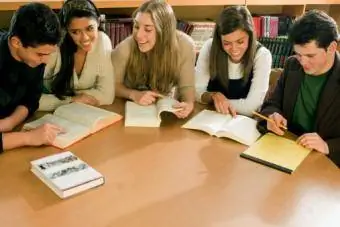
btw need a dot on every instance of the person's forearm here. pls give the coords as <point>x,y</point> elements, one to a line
<point>187,94</point>
<point>207,97</point>
<point>124,92</point>
<point>18,116</point>
<point>14,139</point>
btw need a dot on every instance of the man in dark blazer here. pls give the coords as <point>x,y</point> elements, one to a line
<point>307,95</point>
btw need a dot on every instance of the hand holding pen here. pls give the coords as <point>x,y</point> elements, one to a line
<point>275,122</point>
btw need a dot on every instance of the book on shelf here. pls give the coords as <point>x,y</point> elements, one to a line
<point>65,174</point>
<point>278,152</point>
<point>77,121</point>
<point>148,116</point>
<point>240,128</point>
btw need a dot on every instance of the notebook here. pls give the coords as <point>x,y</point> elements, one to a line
<point>277,152</point>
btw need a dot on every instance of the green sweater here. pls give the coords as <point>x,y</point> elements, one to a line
<point>307,101</point>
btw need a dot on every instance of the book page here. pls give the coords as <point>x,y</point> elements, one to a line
<point>141,116</point>
<point>208,121</point>
<point>242,129</point>
<point>277,150</point>
<point>89,116</point>
<point>73,132</point>
<point>166,105</point>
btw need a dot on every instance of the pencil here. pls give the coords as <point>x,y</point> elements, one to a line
<point>268,119</point>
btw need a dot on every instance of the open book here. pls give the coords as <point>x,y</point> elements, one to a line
<point>241,128</point>
<point>278,152</point>
<point>78,121</point>
<point>148,116</point>
<point>66,174</point>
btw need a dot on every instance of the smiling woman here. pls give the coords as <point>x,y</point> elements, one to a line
<point>81,70</point>
<point>155,59</point>
<point>233,69</point>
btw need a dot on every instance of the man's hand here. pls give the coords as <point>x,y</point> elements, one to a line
<point>313,141</point>
<point>43,135</point>
<point>277,121</point>
<point>6,125</point>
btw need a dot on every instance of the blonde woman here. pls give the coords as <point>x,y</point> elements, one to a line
<point>155,59</point>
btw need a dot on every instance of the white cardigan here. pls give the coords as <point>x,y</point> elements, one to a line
<point>96,78</point>
<point>259,84</point>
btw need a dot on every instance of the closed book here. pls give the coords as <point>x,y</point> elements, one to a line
<point>66,174</point>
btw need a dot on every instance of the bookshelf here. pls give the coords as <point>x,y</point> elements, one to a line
<point>192,10</point>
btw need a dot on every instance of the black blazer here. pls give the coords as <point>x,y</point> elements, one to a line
<point>284,98</point>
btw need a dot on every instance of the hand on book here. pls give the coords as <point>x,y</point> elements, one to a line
<point>313,141</point>
<point>277,121</point>
<point>144,98</point>
<point>222,104</point>
<point>185,108</point>
<point>86,99</point>
<point>43,135</point>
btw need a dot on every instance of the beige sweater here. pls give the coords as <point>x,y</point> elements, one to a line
<point>120,57</point>
<point>96,79</point>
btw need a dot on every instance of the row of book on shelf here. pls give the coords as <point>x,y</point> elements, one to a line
<point>271,32</point>
<point>66,174</point>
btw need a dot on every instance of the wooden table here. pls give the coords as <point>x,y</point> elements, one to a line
<point>170,177</point>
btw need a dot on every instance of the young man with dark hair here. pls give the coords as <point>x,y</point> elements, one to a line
<point>306,98</point>
<point>24,50</point>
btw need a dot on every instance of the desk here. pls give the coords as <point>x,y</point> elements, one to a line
<point>170,177</point>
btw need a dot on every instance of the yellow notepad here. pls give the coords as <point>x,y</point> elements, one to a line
<point>277,152</point>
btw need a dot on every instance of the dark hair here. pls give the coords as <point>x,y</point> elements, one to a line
<point>62,84</point>
<point>231,19</point>
<point>35,24</point>
<point>314,25</point>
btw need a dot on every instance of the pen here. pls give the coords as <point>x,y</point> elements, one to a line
<point>268,119</point>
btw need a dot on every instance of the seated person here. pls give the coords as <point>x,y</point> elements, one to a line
<point>155,59</point>
<point>233,69</point>
<point>81,70</point>
<point>306,98</point>
<point>24,51</point>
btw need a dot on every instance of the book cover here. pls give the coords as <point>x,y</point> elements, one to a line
<point>66,174</point>
<point>277,152</point>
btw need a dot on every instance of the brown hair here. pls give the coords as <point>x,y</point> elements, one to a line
<point>231,19</point>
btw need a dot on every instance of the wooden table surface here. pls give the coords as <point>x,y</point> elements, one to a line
<point>170,177</point>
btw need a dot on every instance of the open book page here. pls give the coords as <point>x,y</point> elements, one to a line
<point>277,152</point>
<point>208,121</point>
<point>141,116</point>
<point>241,128</point>
<point>166,105</point>
<point>90,116</point>
<point>73,132</point>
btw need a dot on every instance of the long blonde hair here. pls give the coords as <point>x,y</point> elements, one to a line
<point>157,69</point>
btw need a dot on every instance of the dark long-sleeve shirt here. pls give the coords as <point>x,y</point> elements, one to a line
<point>19,83</point>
